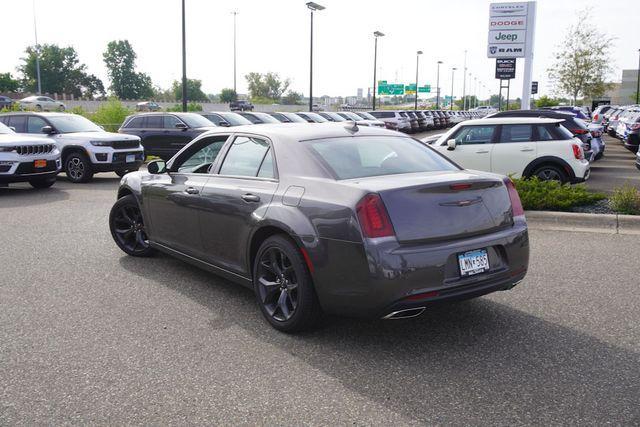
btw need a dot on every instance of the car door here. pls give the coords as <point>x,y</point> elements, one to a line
<point>473,147</point>
<point>173,200</point>
<point>516,148</point>
<point>174,138</point>
<point>235,199</point>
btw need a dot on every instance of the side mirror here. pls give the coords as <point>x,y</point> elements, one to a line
<point>181,126</point>
<point>224,124</point>
<point>12,128</point>
<point>47,129</point>
<point>451,144</point>
<point>157,167</point>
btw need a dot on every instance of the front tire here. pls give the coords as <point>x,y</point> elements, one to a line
<point>127,227</point>
<point>78,168</point>
<point>283,286</point>
<point>551,173</point>
<point>42,182</point>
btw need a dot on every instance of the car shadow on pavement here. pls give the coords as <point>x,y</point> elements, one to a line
<point>462,363</point>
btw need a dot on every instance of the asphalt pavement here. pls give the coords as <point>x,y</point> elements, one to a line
<point>89,335</point>
<point>615,169</point>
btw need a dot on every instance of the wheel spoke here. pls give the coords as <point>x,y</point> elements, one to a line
<point>140,239</point>
<point>126,216</point>
<point>282,304</point>
<point>267,289</point>
<point>273,258</point>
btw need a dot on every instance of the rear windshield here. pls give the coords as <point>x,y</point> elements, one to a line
<point>194,120</point>
<point>358,157</point>
<point>235,119</point>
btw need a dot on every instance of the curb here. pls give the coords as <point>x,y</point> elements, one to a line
<point>584,222</point>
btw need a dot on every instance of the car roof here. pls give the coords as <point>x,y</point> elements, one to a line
<point>510,120</point>
<point>40,113</point>
<point>306,131</point>
<point>562,114</point>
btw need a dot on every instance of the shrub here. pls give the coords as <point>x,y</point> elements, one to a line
<point>553,196</point>
<point>79,111</point>
<point>626,200</point>
<point>192,106</point>
<point>110,115</point>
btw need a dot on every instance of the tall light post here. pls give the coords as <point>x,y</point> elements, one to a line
<point>453,71</point>
<point>312,7</point>
<point>184,60</point>
<point>475,91</point>
<point>638,81</point>
<point>234,13</point>
<point>35,32</point>
<point>438,87</point>
<point>376,34</point>
<point>464,82</point>
<point>418,53</point>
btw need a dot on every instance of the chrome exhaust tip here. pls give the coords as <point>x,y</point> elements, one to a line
<point>404,314</point>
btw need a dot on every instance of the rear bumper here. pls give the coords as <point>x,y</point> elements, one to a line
<point>376,278</point>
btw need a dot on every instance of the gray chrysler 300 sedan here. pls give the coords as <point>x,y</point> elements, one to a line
<point>327,218</point>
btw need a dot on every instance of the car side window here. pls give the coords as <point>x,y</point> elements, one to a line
<point>35,124</point>
<point>19,123</point>
<point>201,156</point>
<point>516,133</point>
<point>544,133</point>
<point>471,135</point>
<point>213,118</point>
<point>135,123</point>
<point>170,122</point>
<point>244,156</point>
<point>154,122</point>
<point>266,168</point>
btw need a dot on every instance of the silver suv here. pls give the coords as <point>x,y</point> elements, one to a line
<point>86,148</point>
<point>27,159</point>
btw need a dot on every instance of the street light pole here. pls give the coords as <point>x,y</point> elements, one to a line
<point>464,82</point>
<point>35,31</point>
<point>638,82</point>
<point>312,7</point>
<point>438,87</point>
<point>453,71</point>
<point>376,34</point>
<point>234,13</point>
<point>418,53</point>
<point>184,60</point>
<point>475,91</point>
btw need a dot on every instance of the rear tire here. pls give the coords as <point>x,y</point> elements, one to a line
<point>551,173</point>
<point>42,182</point>
<point>78,168</point>
<point>283,286</point>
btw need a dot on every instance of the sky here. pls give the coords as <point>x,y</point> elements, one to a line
<point>273,35</point>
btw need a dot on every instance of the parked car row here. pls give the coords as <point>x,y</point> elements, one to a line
<point>623,123</point>
<point>410,121</point>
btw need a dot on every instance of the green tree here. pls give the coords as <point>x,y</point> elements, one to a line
<point>471,100</point>
<point>545,101</point>
<point>60,72</point>
<point>228,95</point>
<point>292,98</point>
<point>126,82</point>
<point>269,85</point>
<point>194,90</point>
<point>8,83</point>
<point>583,60</point>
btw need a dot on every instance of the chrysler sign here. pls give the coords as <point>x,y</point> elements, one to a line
<point>508,30</point>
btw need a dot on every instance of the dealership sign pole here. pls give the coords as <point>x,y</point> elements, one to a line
<point>511,35</point>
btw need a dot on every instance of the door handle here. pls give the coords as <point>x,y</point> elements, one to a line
<point>524,150</point>
<point>191,190</point>
<point>250,197</point>
<point>482,151</point>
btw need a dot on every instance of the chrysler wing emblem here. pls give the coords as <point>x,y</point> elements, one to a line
<point>462,203</point>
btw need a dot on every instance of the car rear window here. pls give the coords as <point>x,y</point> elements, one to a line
<point>362,156</point>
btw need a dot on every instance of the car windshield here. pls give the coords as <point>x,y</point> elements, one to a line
<point>294,118</point>
<point>5,129</point>
<point>359,157</point>
<point>352,116</point>
<point>336,117</point>
<point>235,119</point>
<point>70,123</point>
<point>195,120</point>
<point>316,117</point>
<point>366,115</point>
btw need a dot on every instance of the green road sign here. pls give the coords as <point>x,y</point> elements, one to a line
<point>410,86</point>
<point>385,88</point>
<point>397,89</point>
<point>424,89</point>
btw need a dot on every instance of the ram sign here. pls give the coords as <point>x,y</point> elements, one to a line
<point>508,30</point>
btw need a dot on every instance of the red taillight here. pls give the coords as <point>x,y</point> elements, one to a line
<point>459,187</point>
<point>516,204</point>
<point>373,217</point>
<point>595,117</point>
<point>577,152</point>
<point>580,131</point>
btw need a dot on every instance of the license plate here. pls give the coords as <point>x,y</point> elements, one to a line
<point>131,158</point>
<point>473,262</point>
<point>39,163</point>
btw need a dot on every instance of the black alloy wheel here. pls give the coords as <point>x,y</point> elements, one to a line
<point>283,286</point>
<point>550,173</point>
<point>127,227</point>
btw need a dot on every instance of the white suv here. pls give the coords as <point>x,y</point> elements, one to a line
<point>395,119</point>
<point>27,159</point>
<point>86,148</point>
<point>518,147</point>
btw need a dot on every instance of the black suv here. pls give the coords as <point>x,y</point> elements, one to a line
<point>164,134</point>
<point>241,106</point>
